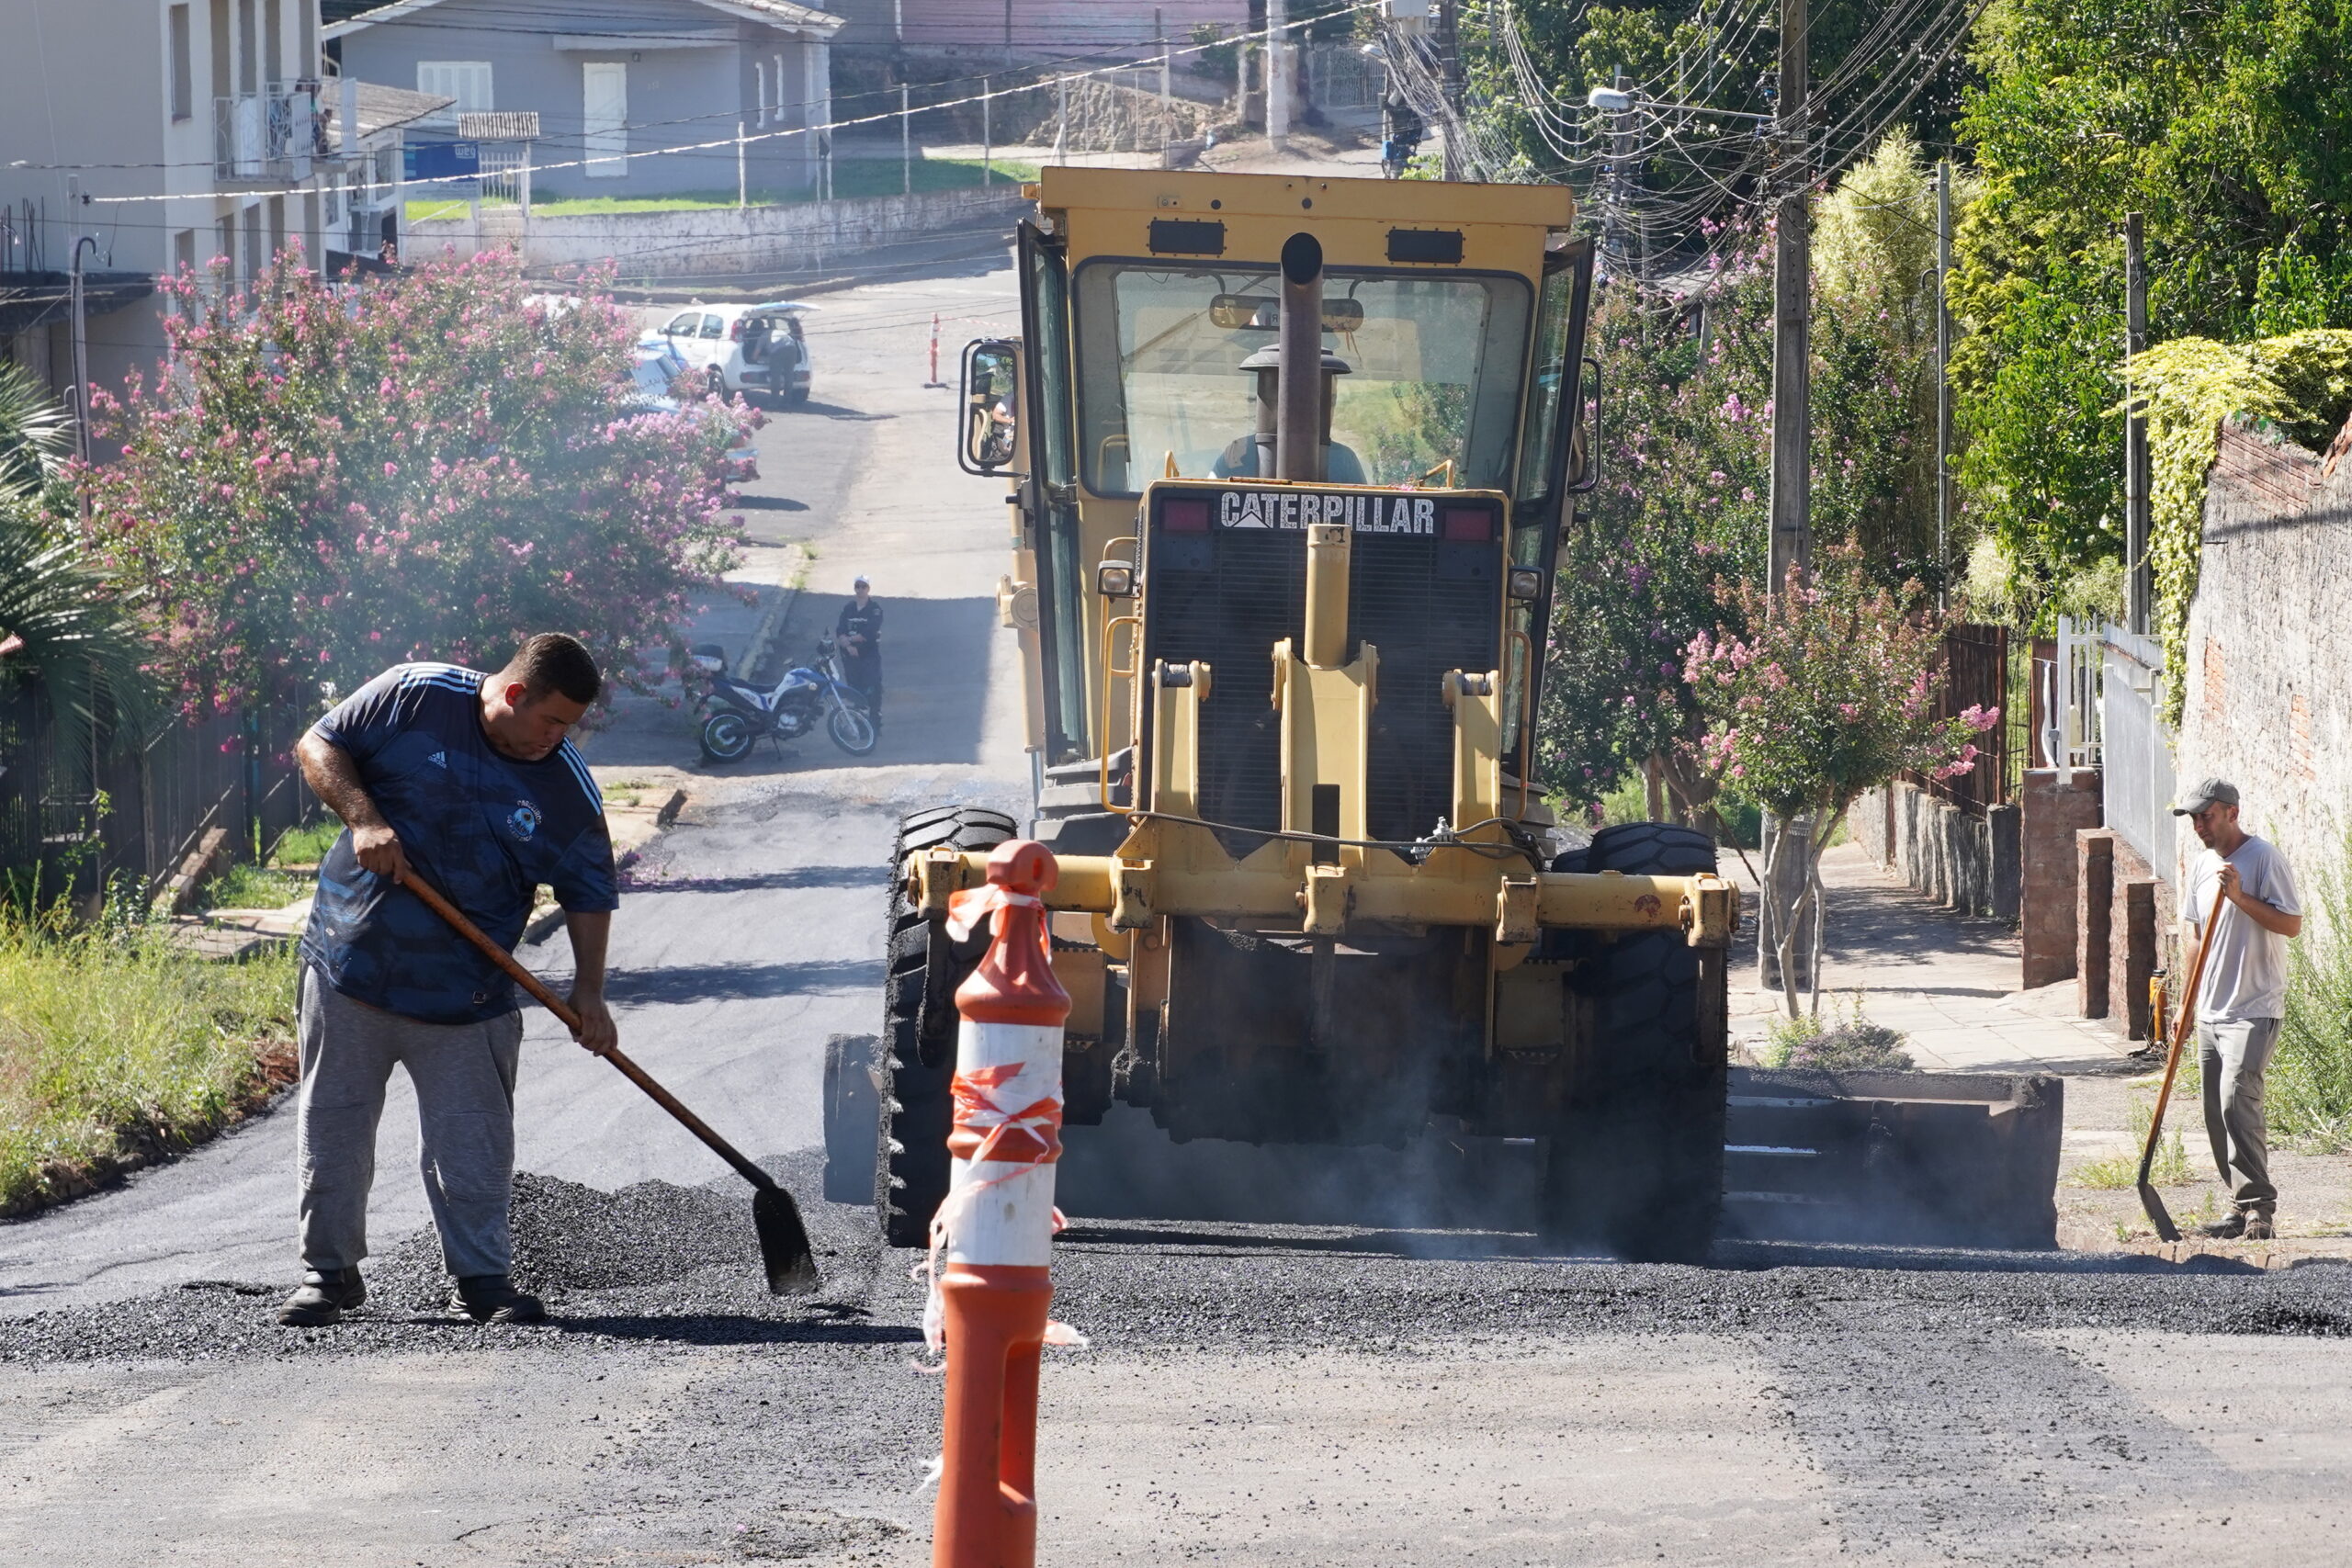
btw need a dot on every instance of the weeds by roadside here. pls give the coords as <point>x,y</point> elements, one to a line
<point>2311,1079</point>
<point>1844,1043</point>
<point>2119,1171</point>
<point>115,1045</point>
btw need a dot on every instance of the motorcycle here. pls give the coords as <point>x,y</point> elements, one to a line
<point>740,713</point>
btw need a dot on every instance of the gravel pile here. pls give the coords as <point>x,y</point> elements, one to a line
<point>654,1262</point>
<point>570,1238</point>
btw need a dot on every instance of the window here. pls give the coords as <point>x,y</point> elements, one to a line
<point>713,327</point>
<point>683,326</point>
<point>1433,377</point>
<point>760,72</point>
<point>183,64</point>
<point>604,117</point>
<point>467,81</point>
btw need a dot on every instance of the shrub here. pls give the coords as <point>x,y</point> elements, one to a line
<point>2311,1079</point>
<point>327,482</point>
<point>1849,1044</point>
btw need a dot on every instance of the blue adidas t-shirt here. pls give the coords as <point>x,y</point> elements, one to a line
<point>482,828</point>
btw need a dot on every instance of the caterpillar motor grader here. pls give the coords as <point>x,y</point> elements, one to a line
<point>1289,461</point>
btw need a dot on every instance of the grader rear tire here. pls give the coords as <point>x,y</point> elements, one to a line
<point>1636,1169</point>
<point>917,1054</point>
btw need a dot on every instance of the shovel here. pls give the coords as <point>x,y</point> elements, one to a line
<point>2182,1018</point>
<point>783,1240</point>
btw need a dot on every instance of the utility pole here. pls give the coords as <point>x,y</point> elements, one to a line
<point>2139,574</point>
<point>906,145</point>
<point>1278,77</point>
<point>987,150</point>
<point>742,184</point>
<point>81,359</point>
<point>1620,142</point>
<point>1449,57</point>
<point>1792,543</point>
<point>1061,119</point>
<point>1792,538</point>
<point>1943,382</point>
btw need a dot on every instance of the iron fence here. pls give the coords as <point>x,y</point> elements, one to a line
<point>1975,669</point>
<point>70,823</point>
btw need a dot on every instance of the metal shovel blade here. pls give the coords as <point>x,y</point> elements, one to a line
<point>2159,1215</point>
<point>783,1242</point>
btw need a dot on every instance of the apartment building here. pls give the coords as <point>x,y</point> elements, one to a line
<point>147,136</point>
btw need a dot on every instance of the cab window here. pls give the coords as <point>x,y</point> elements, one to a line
<point>683,326</point>
<point>713,327</point>
<point>1434,365</point>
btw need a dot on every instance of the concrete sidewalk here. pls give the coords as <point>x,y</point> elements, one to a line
<point>1947,981</point>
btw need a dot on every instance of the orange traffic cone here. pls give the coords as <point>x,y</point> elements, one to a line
<point>993,1241</point>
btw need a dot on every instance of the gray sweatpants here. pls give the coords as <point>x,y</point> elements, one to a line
<point>2233,1058</point>
<point>464,1076</point>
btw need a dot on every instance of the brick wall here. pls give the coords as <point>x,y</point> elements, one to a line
<point>2270,697</point>
<point>2053,805</point>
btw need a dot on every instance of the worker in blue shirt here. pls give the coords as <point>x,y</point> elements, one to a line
<point>468,780</point>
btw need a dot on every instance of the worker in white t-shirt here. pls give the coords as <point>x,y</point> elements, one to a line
<point>2242,995</point>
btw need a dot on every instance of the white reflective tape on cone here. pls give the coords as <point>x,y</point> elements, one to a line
<point>1009,1090</point>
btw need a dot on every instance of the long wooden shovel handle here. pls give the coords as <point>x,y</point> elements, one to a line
<point>2182,1015</point>
<point>570,1019</point>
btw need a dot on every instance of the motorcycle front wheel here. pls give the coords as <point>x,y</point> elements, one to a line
<point>851,729</point>
<point>725,737</point>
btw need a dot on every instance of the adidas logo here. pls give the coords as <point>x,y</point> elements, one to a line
<point>439,759</point>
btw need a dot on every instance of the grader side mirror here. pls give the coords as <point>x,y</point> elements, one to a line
<point>992,408</point>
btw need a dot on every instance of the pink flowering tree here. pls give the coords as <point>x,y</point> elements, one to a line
<point>325,481</point>
<point>1824,690</point>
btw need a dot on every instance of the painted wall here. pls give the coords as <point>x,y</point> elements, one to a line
<point>677,97</point>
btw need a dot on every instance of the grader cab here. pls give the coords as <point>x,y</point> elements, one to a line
<point>1289,461</point>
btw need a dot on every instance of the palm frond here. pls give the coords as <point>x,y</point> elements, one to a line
<point>60,625</point>
<point>36,434</point>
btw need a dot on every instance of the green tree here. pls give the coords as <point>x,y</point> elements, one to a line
<point>2230,126</point>
<point>1829,691</point>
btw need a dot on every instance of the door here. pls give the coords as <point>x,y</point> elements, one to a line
<point>1553,465</point>
<point>1051,489</point>
<point>603,118</point>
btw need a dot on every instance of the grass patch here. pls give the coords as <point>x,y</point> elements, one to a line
<point>245,887</point>
<point>114,1049</point>
<point>307,846</point>
<point>2119,1171</point>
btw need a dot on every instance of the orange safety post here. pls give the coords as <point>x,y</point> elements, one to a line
<point>935,380</point>
<point>993,1241</point>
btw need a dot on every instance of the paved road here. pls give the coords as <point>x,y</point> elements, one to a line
<point>753,932</point>
<point>1259,1394</point>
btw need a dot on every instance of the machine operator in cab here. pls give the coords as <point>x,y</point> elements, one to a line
<point>1251,456</point>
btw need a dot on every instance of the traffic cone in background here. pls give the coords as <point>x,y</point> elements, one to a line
<point>935,380</point>
<point>993,1241</point>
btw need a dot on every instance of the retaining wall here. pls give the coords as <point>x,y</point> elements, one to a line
<point>1960,861</point>
<point>2270,692</point>
<point>714,241</point>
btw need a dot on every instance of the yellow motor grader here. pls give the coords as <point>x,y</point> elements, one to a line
<point>1289,461</point>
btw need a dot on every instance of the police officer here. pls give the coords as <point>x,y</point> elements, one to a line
<point>858,634</point>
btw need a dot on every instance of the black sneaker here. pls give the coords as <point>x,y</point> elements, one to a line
<point>493,1298</point>
<point>324,1296</point>
<point>2230,1229</point>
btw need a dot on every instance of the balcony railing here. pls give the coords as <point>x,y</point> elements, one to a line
<point>268,136</point>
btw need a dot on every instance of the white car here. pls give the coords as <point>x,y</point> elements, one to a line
<point>746,348</point>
